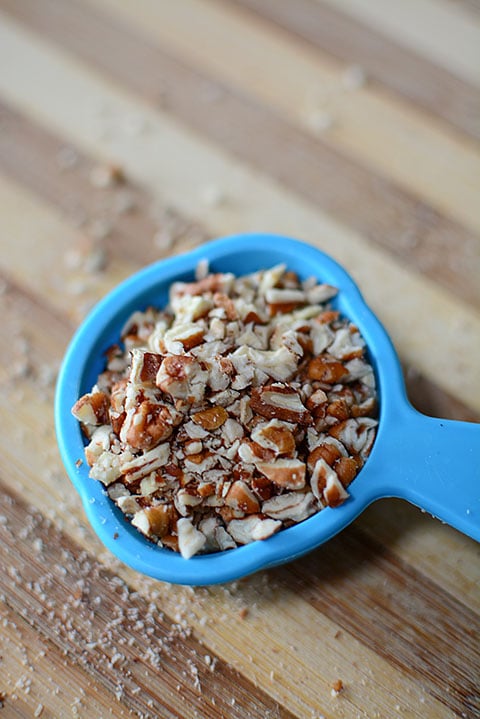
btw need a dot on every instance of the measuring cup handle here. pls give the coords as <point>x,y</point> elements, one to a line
<point>435,464</point>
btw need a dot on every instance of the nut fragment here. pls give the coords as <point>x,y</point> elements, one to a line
<point>211,418</point>
<point>252,528</point>
<point>190,539</point>
<point>286,473</point>
<point>326,370</point>
<point>275,435</point>
<point>239,496</point>
<point>92,408</point>
<point>279,402</point>
<point>155,521</point>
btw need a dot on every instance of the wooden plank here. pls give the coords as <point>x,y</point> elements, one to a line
<point>387,136</point>
<point>108,633</point>
<point>156,158</point>
<point>368,128</point>
<point>353,42</point>
<point>435,28</point>
<point>38,678</point>
<point>411,536</point>
<point>391,605</point>
<point>25,147</point>
<point>20,305</point>
<point>401,224</point>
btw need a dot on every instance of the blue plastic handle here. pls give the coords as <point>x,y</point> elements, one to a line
<point>430,462</point>
<point>433,463</point>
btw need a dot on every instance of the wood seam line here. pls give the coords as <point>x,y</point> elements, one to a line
<point>263,202</point>
<point>87,579</point>
<point>390,217</point>
<point>421,82</point>
<point>437,29</point>
<point>383,134</point>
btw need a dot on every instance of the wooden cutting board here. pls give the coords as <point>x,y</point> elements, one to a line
<point>133,130</point>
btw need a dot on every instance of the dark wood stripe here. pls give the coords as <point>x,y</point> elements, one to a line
<point>398,68</point>
<point>369,203</point>
<point>25,146</point>
<point>32,156</point>
<point>396,611</point>
<point>93,620</point>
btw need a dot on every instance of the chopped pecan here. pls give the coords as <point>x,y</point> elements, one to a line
<point>223,301</point>
<point>211,418</point>
<point>275,435</point>
<point>190,539</point>
<point>279,402</point>
<point>252,528</point>
<point>117,405</point>
<point>293,506</point>
<point>326,451</point>
<point>263,487</point>
<point>239,496</point>
<point>92,408</point>
<point>285,473</point>
<point>158,520</point>
<point>99,442</point>
<point>243,407</point>
<point>326,370</point>
<point>346,469</point>
<point>149,425</point>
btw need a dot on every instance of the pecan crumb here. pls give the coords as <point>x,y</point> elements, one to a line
<point>337,687</point>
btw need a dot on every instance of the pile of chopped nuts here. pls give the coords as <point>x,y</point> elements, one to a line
<point>243,407</point>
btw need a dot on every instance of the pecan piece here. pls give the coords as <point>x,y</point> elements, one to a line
<point>211,418</point>
<point>279,402</point>
<point>346,469</point>
<point>292,506</point>
<point>239,496</point>
<point>328,452</point>
<point>155,521</point>
<point>92,409</point>
<point>150,424</point>
<point>190,539</point>
<point>326,370</point>
<point>275,435</point>
<point>285,473</point>
<point>326,484</point>
<point>151,365</point>
<point>252,528</point>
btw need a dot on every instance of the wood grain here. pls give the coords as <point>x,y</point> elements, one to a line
<point>212,111</point>
<point>453,45</point>
<point>301,85</point>
<point>422,82</point>
<point>108,633</point>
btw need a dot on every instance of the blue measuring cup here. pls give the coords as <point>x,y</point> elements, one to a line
<point>432,463</point>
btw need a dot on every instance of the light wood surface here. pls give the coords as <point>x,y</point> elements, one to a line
<point>352,125</point>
